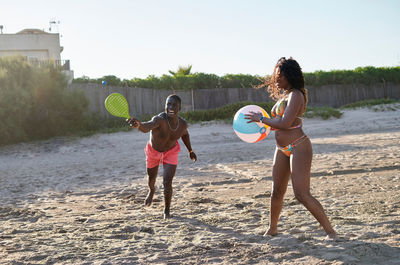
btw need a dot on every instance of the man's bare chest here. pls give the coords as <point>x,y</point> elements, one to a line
<point>166,133</point>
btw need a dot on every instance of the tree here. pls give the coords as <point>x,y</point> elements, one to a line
<point>182,70</point>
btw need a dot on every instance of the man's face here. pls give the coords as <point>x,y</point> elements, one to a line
<point>172,107</point>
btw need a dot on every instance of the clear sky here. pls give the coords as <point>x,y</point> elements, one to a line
<point>132,38</point>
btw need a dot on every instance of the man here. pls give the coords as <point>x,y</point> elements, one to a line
<point>163,147</point>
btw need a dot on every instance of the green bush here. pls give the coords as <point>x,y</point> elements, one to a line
<point>369,103</point>
<point>240,80</point>
<point>361,75</point>
<point>223,113</point>
<point>177,82</point>
<point>322,112</point>
<point>35,104</point>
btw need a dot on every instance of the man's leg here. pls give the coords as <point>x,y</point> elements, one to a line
<point>152,175</point>
<point>168,175</point>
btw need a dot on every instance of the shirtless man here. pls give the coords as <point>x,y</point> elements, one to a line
<point>163,147</point>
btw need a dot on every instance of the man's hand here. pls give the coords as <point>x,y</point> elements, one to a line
<point>193,156</point>
<point>133,122</point>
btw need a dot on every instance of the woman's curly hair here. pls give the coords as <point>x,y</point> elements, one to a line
<point>292,71</point>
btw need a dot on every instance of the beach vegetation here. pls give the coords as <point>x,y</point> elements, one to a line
<point>225,113</point>
<point>182,70</point>
<point>183,79</point>
<point>322,112</point>
<point>35,102</point>
<point>369,103</point>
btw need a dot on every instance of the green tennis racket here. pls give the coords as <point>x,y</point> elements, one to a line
<point>117,105</point>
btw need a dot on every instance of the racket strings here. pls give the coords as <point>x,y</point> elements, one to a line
<point>118,105</point>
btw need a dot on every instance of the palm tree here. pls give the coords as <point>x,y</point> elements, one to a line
<point>182,70</point>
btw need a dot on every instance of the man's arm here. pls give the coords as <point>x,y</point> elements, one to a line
<point>144,126</point>
<point>186,140</point>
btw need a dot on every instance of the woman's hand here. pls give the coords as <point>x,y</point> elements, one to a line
<point>253,116</point>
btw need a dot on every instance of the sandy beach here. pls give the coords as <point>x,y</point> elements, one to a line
<point>74,200</point>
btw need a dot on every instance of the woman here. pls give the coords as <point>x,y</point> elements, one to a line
<point>293,152</point>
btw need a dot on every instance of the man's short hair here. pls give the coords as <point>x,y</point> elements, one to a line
<point>176,97</point>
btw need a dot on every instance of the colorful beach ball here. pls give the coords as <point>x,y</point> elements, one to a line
<point>250,132</point>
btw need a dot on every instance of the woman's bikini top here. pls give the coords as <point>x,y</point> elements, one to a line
<point>279,109</point>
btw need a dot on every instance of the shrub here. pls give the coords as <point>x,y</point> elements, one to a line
<point>223,113</point>
<point>369,103</point>
<point>360,75</point>
<point>322,112</point>
<point>35,104</point>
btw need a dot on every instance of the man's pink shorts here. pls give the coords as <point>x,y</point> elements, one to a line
<point>154,158</point>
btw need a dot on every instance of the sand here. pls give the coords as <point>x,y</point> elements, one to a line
<point>80,200</point>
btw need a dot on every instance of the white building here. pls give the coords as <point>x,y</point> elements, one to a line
<point>37,46</point>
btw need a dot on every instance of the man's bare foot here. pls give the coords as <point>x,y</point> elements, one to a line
<point>149,198</point>
<point>271,232</point>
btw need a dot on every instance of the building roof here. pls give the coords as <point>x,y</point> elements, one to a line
<point>32,31</point>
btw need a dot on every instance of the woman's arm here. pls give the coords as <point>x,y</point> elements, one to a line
<point>295,102</point>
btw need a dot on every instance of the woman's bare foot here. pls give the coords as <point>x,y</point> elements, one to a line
<point>271,232</point>
<point>331,235</point>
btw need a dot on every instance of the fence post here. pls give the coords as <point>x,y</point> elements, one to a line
<point>191,90</point>
<point>384,88</point>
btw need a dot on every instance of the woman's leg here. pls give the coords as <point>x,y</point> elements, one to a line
<point>300,164</point>
<point>280,177</point>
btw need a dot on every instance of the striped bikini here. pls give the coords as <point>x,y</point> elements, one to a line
<point>279,110</point>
